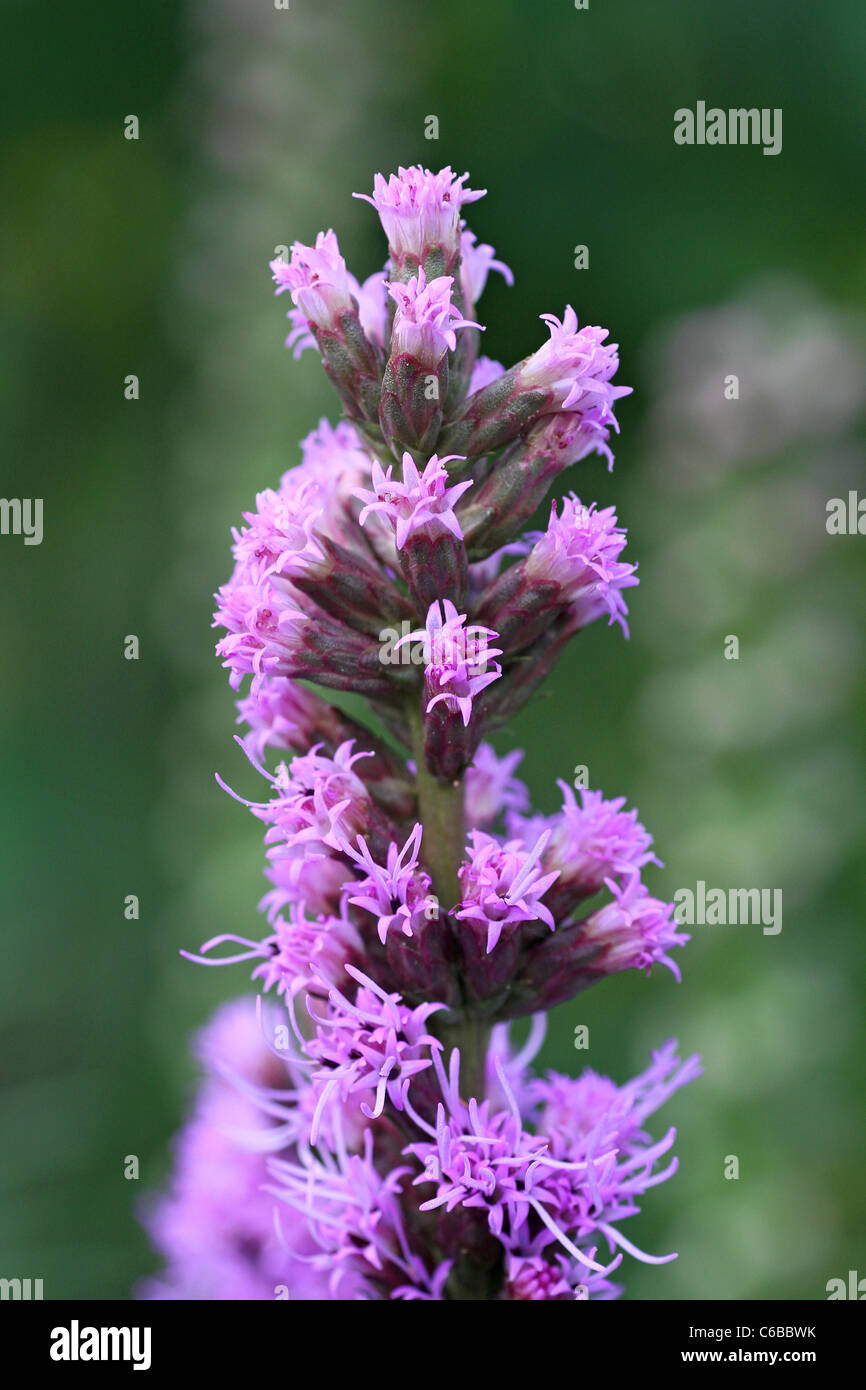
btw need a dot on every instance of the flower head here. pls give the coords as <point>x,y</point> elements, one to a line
<point>575,1109</point>
<point>313,884</point>
<point>590,841</point>
<point>570,435</point>
<point>635,931</point>
<point>413,501</point>
<point>396,893</point>
<point>580,552</point>
<point>425,319</point>
<point>502,885</point>
<point>458,661</point>
<point>370,303</point>
<point>606,1160</point>
<point>484,1161</point>
<point>369,1047</point>
<point>420,211</point>
<point>491,787</point>
<point>318,802</point>
<point>357,1213</point>
<point>261,607</point>
<point>308,954</point>
<point>278,715</point>
<point>576,365</point>
<point>317,279</point>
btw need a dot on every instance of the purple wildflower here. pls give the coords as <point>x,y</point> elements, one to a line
<point>317,279</point>
<point>308,954</point>
<point>262,606</point>
<point>357,1214</point>
<point>314,883</point>
<point>318,801</point>
<point>420,211</point>
<point>570,435</point>
<point>425,320</point>
<point>573,1109</point>
<point>590,1116</point>
<point>277,716</point>
<point>589,842</point>
<point>635,931</point>
<point>410,503</point>
<point>368,1048</point>
<point>458,661</point>
<point>492,789</point>
<point>483,1161</point>
<point>302,955</point>
<point>397,893</point>
<point>382,1135</point>
<point>502,885</point>
<point>579,552</point>
<point>574,364</point>
<point>369,298</point>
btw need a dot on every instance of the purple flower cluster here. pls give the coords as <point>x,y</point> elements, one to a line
<point>385,1137</point>
<point>215,1225</point>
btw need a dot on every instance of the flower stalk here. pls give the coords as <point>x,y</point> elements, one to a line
<point>415,905</point>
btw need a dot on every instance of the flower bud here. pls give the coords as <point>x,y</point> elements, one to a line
<point>572,571</point>
<point>420,215</point>
<point>458,666</point>
<point>521,478</point>
<point>635,931</point>
<point>570,372</point>
<point>415,384</point>
<point>323,293</point>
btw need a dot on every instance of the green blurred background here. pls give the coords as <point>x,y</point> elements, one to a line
<point>149,257</point>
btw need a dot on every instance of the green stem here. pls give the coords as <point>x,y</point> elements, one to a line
<point>440,810</point>
<point>472,1036</point>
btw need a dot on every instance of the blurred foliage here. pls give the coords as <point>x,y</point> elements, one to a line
<point>149,257</point>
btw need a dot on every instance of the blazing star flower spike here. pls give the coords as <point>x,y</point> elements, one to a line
<point>380,1134</point>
